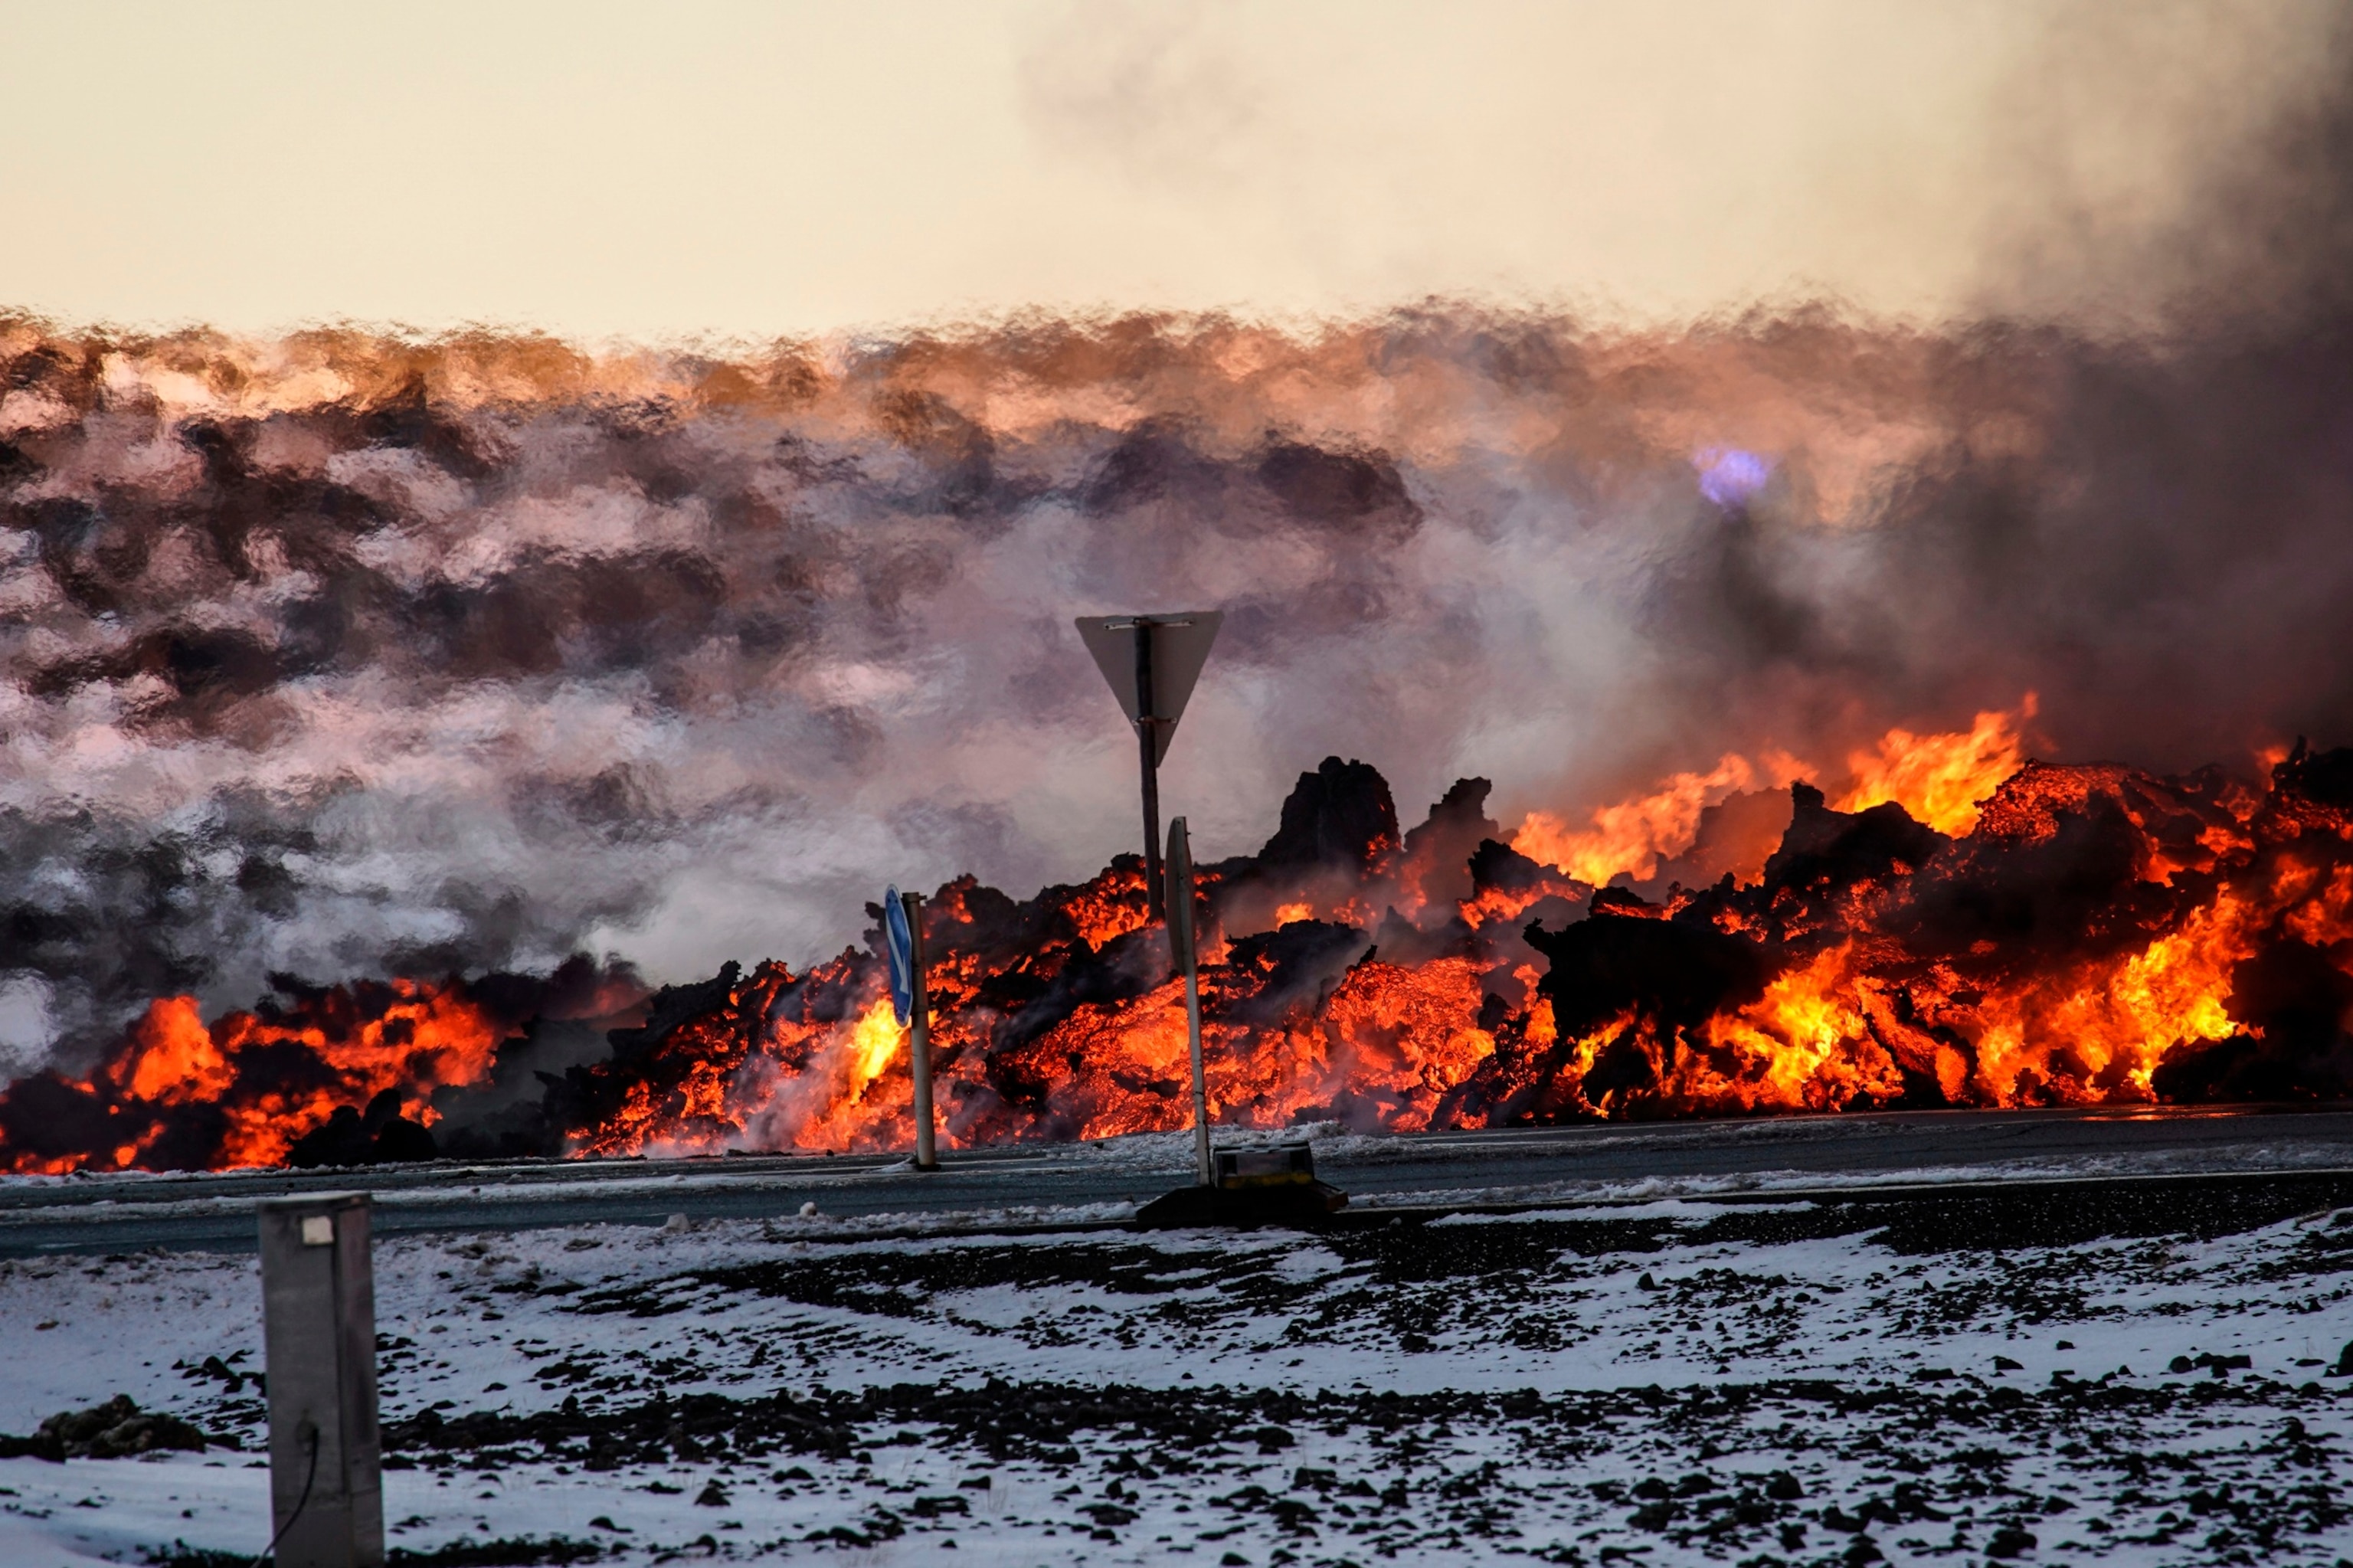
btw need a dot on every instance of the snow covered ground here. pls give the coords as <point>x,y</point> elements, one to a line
<point>1831,1379</point>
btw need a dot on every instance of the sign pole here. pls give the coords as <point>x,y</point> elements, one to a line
<point>1181,939</point>
<point>911,1002</point>
<point>1150,662</point>
<point>1148,747</point>
<point>1238,1187</point>
<point>919,1036</point>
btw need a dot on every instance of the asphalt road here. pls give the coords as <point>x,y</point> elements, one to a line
<point>1505,1169</point>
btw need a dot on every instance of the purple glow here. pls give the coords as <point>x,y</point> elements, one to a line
<point>1730,476</point>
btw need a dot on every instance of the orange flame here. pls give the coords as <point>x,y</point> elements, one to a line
<point>1633,835</point>
<point>173,1058</point>
<point>1939,779</point>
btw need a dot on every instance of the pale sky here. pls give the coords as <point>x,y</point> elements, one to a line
<point>748,170</point>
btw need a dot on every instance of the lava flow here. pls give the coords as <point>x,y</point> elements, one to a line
<point>1960,928</point>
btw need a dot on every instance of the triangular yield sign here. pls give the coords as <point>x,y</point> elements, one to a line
<point>1180,647</point>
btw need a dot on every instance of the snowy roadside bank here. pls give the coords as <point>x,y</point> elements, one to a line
<point>1685,1381</point>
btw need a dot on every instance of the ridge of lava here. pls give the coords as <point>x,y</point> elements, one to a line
<point>2094,935</point>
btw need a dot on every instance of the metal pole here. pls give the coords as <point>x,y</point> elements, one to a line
<point>1147,742</point>
<point>1181,936</point>
<point>919,1036</point>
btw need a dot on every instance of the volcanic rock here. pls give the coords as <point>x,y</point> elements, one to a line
<point>2297,1003</point>
<point>1300,961</point>
<point>111,1430</point>
<point>1620,959</point>
<point>1438,854</point>
<point>2310,790</point>
<point>1824,849</point>
<point>1341,814</point>
<point>2057,866</point>
<point>377,1136</point>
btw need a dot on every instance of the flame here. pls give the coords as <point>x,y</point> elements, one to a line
<point>862,1063</point>
<point>173,1058</point>
<point>1633,835</point>
<point>1805,1046</point>
<point>1939,779</point>
<point>875,1039</point>
<point>1802,1045</point>
<point>1113,1069</point>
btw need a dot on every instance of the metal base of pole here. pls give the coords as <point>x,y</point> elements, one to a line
<point>1254,1185</point>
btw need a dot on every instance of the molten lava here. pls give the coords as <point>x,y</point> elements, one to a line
<point>246,1088</point>
<point>1962,929</point>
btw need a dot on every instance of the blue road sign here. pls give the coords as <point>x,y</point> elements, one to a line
<point>899,943</point>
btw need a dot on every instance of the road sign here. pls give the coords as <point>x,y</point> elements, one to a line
<point>1152,663</point>
<point>903,944</point>
<point>1153,681</point>
<point>899,945</point>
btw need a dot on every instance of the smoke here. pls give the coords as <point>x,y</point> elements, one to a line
<point>342,654</point>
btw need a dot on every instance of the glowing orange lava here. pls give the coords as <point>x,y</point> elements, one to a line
<point>266,1081</point>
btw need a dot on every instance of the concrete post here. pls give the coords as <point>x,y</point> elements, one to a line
<point>1185,949</point>
<point>318,1324</point>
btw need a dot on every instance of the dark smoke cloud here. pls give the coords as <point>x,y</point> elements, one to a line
<point>342,655</point>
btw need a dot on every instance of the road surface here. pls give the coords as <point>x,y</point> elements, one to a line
<point>1096,1182</point>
